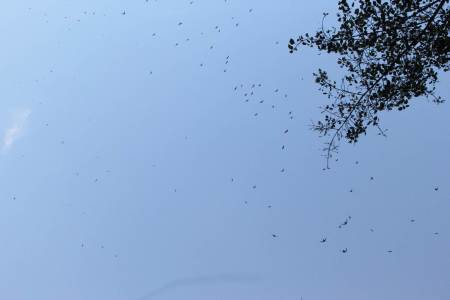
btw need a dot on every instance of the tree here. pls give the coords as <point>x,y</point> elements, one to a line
<point>390,51</point>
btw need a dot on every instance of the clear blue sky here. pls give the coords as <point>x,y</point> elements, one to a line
<point>119,148</point>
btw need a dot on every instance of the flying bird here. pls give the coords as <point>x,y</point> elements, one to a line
<point>323,240</point>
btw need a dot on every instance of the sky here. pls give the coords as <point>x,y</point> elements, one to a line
<point>133,168</point>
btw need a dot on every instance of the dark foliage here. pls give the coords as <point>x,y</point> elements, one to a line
<point>391,51</point>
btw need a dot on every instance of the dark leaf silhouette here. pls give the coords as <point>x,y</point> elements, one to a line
<point>391,52</point>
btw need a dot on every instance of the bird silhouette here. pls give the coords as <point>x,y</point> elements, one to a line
<point>323,240</point>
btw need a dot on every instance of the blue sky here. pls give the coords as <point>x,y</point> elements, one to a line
<point>129,161</point>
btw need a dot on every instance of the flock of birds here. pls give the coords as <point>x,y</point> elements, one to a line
<point>251,93</point>
<point>347,221</point>
<point>235,23</point>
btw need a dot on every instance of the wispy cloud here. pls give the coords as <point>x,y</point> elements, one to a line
<point>201,280</point>
<point>15,129</point>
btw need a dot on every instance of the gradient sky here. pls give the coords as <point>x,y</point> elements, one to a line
<point>128,161</point>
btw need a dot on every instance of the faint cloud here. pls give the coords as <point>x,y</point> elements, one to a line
<point>201,280</point>
<point>15,129</point>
